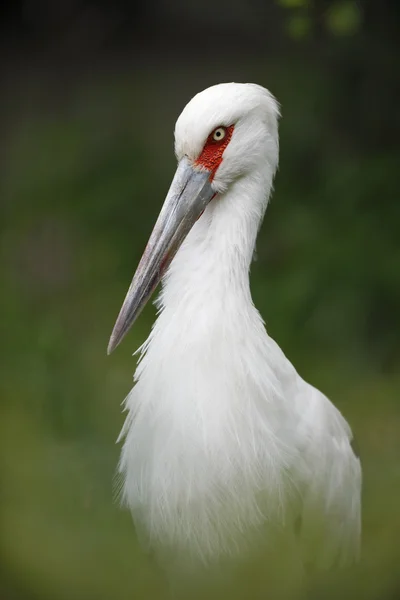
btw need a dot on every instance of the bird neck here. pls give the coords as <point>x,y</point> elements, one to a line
<point>212,266</point>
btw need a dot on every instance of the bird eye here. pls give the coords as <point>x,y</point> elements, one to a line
<point>219,134</point>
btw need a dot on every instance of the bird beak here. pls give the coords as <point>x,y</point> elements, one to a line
<point>188,196</point>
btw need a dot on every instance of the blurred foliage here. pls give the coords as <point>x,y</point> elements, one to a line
<point>341,18</point>
<point>344,18</point>
<point>87,161</point>
<point>298,26</point>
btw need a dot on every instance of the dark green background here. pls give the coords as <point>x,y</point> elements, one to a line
<point>89,96</point>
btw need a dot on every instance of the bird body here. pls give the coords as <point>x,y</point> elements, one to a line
<point>223,439</point>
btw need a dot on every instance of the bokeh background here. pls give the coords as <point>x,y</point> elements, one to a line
<point>90,90</point>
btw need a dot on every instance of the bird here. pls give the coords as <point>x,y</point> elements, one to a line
<point>225,446</point>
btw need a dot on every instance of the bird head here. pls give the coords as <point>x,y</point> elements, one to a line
<point>224,133</point>
<point>229,129</point>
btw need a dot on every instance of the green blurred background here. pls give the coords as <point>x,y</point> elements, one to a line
<point>90,91</point>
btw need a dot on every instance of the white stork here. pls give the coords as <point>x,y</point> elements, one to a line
<point>223,438</point>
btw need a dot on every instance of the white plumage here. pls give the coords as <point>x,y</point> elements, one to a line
<point>223,439</point>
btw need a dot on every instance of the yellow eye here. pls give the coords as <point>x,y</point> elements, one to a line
<point>219,134</point>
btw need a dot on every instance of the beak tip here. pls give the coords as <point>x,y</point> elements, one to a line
<point>121,328</point>
<point>113,343</point>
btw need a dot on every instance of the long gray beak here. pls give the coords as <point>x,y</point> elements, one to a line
<point>188,196</point>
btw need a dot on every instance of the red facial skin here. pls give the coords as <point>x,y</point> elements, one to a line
<point>211,155</point>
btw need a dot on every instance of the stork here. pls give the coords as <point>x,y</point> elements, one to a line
<point>223,438</point>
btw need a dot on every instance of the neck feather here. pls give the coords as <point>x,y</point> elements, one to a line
<point>212,266</point>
